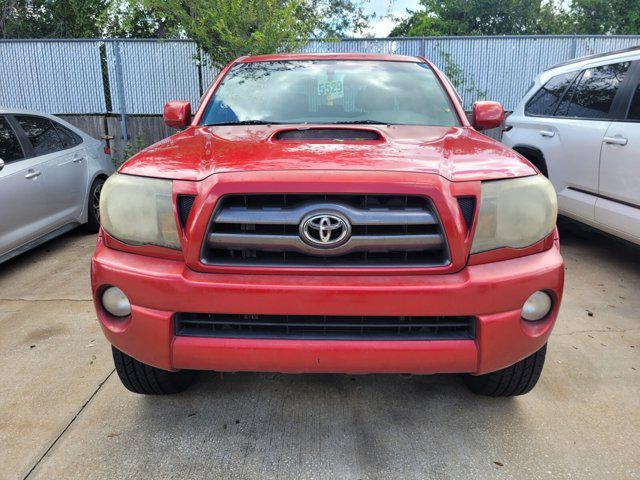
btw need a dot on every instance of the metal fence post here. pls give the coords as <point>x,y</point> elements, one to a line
<point>199,65</point>
<point>120,90</point>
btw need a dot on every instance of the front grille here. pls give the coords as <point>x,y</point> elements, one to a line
<point>386,231</point>
<point>321,327</point>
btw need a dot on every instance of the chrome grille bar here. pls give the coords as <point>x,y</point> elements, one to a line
<point>355,244</point>
<point>293,216</point>
<point>268,229</point>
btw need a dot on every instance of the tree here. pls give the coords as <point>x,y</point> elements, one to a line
<point>7,9</point>
<point>628,17</point>
<point>241,26</point>
<point>132,19</point>
<point>471,17</point>
<point>53,18</point>
<point>620,17</point>
<point>227,29</point>
<point>519,17</point>
<point>553,19</point>
<point>336,18</point>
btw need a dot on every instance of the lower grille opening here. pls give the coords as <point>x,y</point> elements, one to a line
<point>324,327</point>
<point>293,259</point>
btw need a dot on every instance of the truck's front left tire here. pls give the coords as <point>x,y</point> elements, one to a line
<point>139,377</point>
<point>517,379</point>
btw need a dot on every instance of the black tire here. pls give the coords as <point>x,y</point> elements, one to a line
<point>139,377</point>
<point>93,206</point>
<point>517,379</point>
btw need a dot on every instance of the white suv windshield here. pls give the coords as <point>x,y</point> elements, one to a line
<point>331,91</point>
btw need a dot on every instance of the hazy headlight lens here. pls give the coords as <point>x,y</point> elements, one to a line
<point>139,211</point>
<point>515,213</point>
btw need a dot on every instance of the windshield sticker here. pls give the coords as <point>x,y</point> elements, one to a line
<point>331,88</point>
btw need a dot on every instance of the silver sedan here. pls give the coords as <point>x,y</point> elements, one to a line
<point>51,175</point>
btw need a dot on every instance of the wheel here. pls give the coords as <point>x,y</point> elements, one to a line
<point>515,380</point>
<point>93,217</point>
<point>535,156</point>
<point>139,377</point>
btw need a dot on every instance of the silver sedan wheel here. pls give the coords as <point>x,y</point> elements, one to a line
<point>95,200</point>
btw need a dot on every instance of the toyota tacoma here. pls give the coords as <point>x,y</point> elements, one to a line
<point>328,213</point>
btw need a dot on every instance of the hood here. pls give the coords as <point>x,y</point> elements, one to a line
<point>456,153</point>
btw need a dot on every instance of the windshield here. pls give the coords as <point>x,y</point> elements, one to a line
<point>330,91</point>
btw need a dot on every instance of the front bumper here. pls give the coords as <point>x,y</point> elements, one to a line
<point>493,292</point>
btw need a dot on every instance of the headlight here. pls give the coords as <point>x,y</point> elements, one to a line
<point>139,211</point>
<point>515,213</point>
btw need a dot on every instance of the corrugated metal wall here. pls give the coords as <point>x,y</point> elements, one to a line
<point>52,76</point>
<point>66,76</point>
<point>152,73</point>
<point>495,68</point>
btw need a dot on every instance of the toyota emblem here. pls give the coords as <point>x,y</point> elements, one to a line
<point>325,230</point>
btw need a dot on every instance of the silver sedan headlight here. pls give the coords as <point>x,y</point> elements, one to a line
<point>139,211</point>
<point>515,213</point>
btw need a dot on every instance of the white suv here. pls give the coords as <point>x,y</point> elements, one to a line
<point>580,125</point>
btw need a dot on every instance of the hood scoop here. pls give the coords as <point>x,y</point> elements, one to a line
<point>329,135</point>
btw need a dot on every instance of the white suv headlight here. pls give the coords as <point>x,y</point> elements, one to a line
<point>515,213</point>
<point>139,211</point>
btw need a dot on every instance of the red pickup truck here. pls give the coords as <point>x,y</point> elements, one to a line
<point>328,213</point>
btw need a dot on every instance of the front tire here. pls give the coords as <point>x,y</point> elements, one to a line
<point>517,379</point>
<point>139,377</point>
<point>93,205</point>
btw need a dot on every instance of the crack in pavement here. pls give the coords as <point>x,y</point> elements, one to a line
<point>597,331</point>
<point>64,430</point>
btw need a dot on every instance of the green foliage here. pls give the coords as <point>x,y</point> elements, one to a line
<point>226,29</point>
<point>475,17</point>
<point>129,150</point>
<point>336,18</point>
<point>460,80</point>
<point>53,18</point>
<point>620,17</point>
<point>520,17</point>
<point>131,19</point>
<point>551,20</point>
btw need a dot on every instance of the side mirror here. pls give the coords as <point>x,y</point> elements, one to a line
<point>487,115</point>
<point>177,114</point>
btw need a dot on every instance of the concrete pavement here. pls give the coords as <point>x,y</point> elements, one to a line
<point>64,414</point>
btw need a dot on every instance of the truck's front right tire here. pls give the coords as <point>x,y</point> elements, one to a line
<point>139,377</point>
<point>517,379</point>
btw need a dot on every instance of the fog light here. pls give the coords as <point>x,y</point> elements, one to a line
<point>116,302</point>
<point>537,306</point>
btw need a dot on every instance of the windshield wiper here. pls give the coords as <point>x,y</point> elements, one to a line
<point>243,122</point>
<point>363,122</point>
